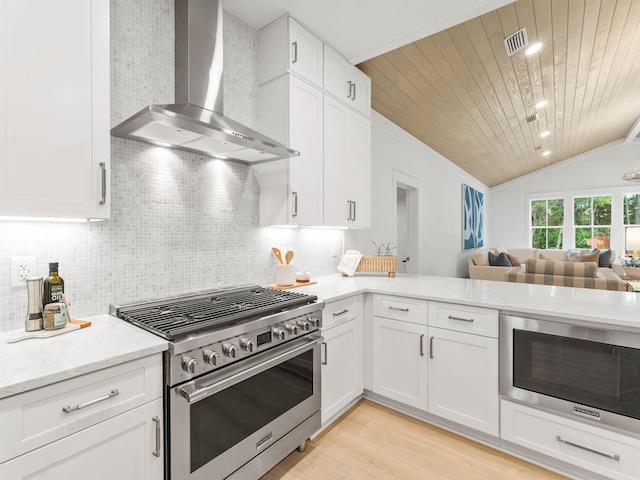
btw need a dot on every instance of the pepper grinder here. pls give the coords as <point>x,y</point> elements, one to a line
<point>34,306</point>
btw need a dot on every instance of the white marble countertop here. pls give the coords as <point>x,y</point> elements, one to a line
<point>110,341</point>
<point>619,310</point>
<point>34,363</point>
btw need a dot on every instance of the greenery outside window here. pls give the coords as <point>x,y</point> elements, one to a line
<point>631,209</point>
<point>547,220</point>
<point>592,221</point>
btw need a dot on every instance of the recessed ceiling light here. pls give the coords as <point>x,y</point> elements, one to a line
<point>545,134</point>
<point>541,104</point>
<point>546,154</point>
<point>533,49</point>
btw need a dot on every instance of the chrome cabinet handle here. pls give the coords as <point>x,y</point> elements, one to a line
<point>350,210</point>
<point>103,168</point>
<point>295,204</point>
<point>295,52</point>
<point>422,345</point>
<point>354,211</point>
<point>324,362</point>
<point>431,347</point>
<point>354,91</point>
<point>350,84</point>
<point>156,452</point>
<point>615,457</point>
<point>398,309</point>
<point>470,320</point>
<point>80,406</point>
<point>337,314</point>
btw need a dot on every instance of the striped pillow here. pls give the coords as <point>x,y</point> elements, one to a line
<point>567,269</point>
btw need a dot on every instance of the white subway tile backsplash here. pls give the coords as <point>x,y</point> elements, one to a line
<point>180,222</point>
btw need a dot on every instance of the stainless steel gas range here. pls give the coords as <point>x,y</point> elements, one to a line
<point>242,377</point>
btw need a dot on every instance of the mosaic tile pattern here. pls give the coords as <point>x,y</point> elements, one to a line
<point>180,222</point>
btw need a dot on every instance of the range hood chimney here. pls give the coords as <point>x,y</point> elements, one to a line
<point>196,122</point>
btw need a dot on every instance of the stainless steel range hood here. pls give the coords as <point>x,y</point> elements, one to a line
<point>196,121</point>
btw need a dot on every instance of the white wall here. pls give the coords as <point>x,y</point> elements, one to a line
<point>594,172</point>
<point>396,153</point>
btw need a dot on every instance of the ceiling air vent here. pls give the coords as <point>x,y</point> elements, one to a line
<point>531,118</point>
<point>538,148</point>
<point>516,42</point>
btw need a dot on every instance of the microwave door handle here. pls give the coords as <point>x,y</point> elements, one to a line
<point>194,391</point>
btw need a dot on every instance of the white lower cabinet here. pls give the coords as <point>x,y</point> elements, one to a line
<point>103,425</point>
<point>121,447</point>
<point>342,357</point>
<point>590,447</point>
<point>463,379</point>
<point>399,361</point>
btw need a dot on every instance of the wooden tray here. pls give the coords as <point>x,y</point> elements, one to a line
<point>69,327</point>
<point>295,285</point>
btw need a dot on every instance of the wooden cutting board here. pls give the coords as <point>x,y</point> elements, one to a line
<point>287,287</point>
<point>69,327</point>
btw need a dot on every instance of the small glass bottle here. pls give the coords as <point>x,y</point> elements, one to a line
<point>53,286</point>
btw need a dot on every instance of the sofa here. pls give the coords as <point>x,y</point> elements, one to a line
<point>569,268</point>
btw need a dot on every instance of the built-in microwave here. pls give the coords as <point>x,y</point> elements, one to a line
<point>591,374</point>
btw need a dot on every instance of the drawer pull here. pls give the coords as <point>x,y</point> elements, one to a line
<point>470,320</point>
<point>80,406</point>
<point>337,314</point>
<point>156,452</point>
<point>398,309</point>
<point>615,457</point>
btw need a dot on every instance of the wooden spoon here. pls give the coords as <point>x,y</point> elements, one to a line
<point>288,256</point>
<point>277,254</point>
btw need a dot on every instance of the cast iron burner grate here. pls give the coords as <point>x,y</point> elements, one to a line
<point>180,316</point>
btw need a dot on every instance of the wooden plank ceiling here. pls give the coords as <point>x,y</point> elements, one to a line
<point>460,93</point>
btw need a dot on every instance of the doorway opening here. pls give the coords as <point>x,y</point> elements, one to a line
<point>407,224</point>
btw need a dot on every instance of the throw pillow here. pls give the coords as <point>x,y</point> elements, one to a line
<point>543,257</point>
<point>590,257</point>
<point>605,258</point>
<point>515,262</point>
<point>499,260</point>
<point>480,259</point>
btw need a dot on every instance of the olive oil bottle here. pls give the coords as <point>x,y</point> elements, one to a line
<point>53,286</point>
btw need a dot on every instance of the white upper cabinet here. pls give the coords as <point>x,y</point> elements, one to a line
<point>346,82</point>
<point>286,46</point>
<point>347,166</point>
<point>54,108</point>
<point>291,190</point>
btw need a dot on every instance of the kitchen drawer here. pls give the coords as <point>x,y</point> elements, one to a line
<point>400,308</point>
<point>336,313</point>
<point>590,446</point>
<point>464,318</point>
<point>37,417</point>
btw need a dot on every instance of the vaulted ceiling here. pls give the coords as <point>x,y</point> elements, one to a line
<point>460,93</point>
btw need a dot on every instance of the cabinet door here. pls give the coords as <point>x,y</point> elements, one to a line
<point>342,366</point>
<point>306,171</point>
<point>346,82</point>
<point>399,361</point>
<point>305,58</point>
<point>54,104</point>
<point>463,379</point>
<point>121,447</point>
<point>347,166</point>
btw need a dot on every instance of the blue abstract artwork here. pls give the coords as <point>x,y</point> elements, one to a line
<point>472,218</point>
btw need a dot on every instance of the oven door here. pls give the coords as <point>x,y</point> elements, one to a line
<point>221,421</point>
<point>582,372</point>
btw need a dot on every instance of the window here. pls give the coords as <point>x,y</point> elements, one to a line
<point>631,209</point>
<point>547,220</point>
<point>592,221</point>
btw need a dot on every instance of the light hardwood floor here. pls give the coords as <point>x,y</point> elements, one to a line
<point>373,442</point>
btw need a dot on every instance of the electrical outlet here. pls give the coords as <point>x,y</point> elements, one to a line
<point>21,269</point>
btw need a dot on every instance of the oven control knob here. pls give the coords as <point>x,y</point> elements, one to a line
<point>279,333</point>
<point>230,350</point>
<point>189,364</point>
<point>304,324</point>
<point>247,344</point>
<point>210,356</point>
<point>315,321</point>
<point>291,328</point>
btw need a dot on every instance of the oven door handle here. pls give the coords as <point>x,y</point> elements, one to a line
<point>194,391</point>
